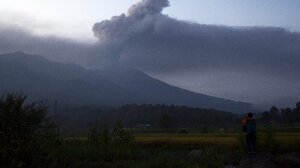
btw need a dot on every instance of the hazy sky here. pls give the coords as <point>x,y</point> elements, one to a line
<point>182,44</point>
<point>74,18</point>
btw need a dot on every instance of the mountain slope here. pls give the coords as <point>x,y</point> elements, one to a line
<point>69,83</point>
<point>154,91</point>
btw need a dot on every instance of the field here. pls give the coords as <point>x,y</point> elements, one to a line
<point>28,139</point>
<point>287,141</point>
<point>176,150</point>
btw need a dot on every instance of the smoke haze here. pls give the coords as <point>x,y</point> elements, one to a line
<point>254,64</point>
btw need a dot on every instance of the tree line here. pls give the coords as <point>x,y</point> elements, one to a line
<point>284,115</point>
<point>159,116</point>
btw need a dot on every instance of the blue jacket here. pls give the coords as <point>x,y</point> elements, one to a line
<point>251,126</point>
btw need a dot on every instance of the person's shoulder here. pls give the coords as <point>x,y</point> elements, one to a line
<point>254,121</point>
<point>251,120</point>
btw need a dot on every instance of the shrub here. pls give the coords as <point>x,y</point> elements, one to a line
<point>241,139</point>
<point>270,143</point>
<point>119,141</point>
<point>24,132</point>
<point>100,136</point>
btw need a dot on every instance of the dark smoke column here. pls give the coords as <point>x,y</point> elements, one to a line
<point>138,18</point>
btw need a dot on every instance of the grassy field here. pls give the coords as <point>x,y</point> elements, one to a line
<point>276,142</point>
<point>187,140</point>
<point>174,150</point>
<point>281,141</point>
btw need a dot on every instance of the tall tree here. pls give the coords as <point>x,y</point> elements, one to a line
<point>24,131</point>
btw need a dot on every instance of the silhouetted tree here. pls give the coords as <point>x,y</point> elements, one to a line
<point>274,113</point>
<point>24,130</point>
<point>287,116</point>
<point>266,117</point>
<point>298,106</point>
<point>165,121</point>
<point>296,113</point>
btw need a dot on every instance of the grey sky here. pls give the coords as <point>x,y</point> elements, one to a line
<point>74,18</point>
<point>282,13</point>
<point>254,64</point>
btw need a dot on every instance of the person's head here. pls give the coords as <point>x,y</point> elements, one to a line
<point>250,115</point>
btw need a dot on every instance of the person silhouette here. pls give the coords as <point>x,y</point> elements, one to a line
<point>251,134</point>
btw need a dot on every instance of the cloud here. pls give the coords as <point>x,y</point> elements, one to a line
<point>139,17</point>
<point>152,41</point>
<point>230,62</point>
<point>146,39</point>
<point>146,7</point>
<point>17,38</point>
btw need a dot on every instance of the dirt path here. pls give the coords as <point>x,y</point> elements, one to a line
<point>257,161</point>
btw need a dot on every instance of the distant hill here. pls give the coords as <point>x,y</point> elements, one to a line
<point>71,84</point>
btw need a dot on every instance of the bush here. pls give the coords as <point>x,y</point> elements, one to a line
<point>24,132</point>
<point>241,139</point>
<point>119,141</point>
<point>100,136</point>
<point>269,142</point>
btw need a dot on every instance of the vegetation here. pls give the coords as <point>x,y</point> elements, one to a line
<point>157,117</point>
<point>25,133</point>
<point>285,115</point>
<point>29,139</point>
<point>169,150</point>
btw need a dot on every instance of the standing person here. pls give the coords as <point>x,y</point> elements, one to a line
<point>251,134</point>
<point>244,123</point>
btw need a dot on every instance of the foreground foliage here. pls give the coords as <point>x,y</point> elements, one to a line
<point>27,139</point>
<point>25,132</point>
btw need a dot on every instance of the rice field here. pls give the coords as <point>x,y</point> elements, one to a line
<point>173,150</point>
<point>281,141</point>
<point>285,141</point>
<point>187,140</point>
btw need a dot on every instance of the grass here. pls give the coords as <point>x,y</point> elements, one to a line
<point>170,150</point>
<point>195,140</point>
<point>288,141</point>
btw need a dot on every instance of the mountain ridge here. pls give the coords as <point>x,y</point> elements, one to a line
<point>69,83</point>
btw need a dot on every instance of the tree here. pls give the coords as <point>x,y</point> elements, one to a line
<point>274,113</point>
<point>296,112</point>
<point>266,117</point>
<point>298,106</point>
<point>24,130</point>
<point>165,121</point>
<point>287,116</point>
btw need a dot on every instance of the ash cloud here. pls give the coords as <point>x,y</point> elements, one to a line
<point>147,7</point>
<point>231,62</point>
<point>146,39</point>
<point>15,38</point>
<point>139,18</point>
